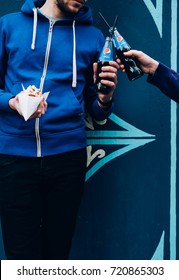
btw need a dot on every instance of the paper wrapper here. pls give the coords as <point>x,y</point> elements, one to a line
<point>29,104</point>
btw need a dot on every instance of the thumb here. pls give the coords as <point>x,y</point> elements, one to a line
<point>95,65</point>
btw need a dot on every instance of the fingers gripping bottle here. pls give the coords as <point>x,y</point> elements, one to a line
<point>132,70</point>
<point>104,58</point>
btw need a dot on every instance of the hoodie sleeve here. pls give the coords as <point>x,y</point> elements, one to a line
<point>4,95</point>
<point>167,80</point>
<point>90,96</point>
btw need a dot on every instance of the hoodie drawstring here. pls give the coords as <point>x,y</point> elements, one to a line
<point>74,82</point>
<point>34,29</point>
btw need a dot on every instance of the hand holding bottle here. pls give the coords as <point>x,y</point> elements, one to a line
<point>130,65</point>
<point>108,78</point>
<point>105,57</point>
<point>147,64</point>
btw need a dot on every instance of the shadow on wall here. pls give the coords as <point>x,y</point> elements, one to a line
<point>2,255</point>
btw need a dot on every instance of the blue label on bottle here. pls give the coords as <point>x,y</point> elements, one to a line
<point>120,42</point>
<point>107,51</point>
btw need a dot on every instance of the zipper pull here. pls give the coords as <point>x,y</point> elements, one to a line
<point>51,25</point>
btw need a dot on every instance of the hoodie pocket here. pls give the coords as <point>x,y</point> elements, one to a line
<point>64,112</point>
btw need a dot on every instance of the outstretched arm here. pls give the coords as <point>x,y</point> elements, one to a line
<point>147,64</point>
<point>161,76</point>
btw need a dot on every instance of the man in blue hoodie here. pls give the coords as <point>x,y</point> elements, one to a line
<point>52,45</point>
<point>161,76</point>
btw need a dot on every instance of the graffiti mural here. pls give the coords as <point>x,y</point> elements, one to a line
<point>126,136</point>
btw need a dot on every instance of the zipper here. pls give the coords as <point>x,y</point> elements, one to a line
<point>37,132</point>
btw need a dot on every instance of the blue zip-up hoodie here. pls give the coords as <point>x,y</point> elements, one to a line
<point>55,57</point>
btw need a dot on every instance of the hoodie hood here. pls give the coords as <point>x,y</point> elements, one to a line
<point>84,15</point>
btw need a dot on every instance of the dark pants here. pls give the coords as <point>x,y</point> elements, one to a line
<point>39,201</point>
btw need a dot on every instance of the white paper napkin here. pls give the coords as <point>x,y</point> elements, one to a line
<point>29,104</point>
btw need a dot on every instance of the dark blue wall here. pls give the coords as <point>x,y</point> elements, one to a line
<point>129,210</point>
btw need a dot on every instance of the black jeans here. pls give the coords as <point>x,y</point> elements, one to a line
<point>39,201</point>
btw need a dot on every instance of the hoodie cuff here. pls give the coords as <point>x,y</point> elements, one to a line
<point>102,113</point>
<point>4,102</point>
<point>160,73</point>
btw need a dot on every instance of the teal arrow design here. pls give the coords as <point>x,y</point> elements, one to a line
<point>130,137</point>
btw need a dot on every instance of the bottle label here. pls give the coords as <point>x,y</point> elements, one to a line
<point>119,38</point>
<point>106,55</point>
<point>107,51</point>
<point>120,42</point>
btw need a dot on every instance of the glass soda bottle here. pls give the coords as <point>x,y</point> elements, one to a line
<point>106,55</point>
<point>130,64</point>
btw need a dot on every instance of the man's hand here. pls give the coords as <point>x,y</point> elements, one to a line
<point>108,77</point>
<point>146,63</point>
<point>14,105</point>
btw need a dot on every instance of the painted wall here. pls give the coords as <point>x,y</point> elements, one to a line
<point>130,205</point>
